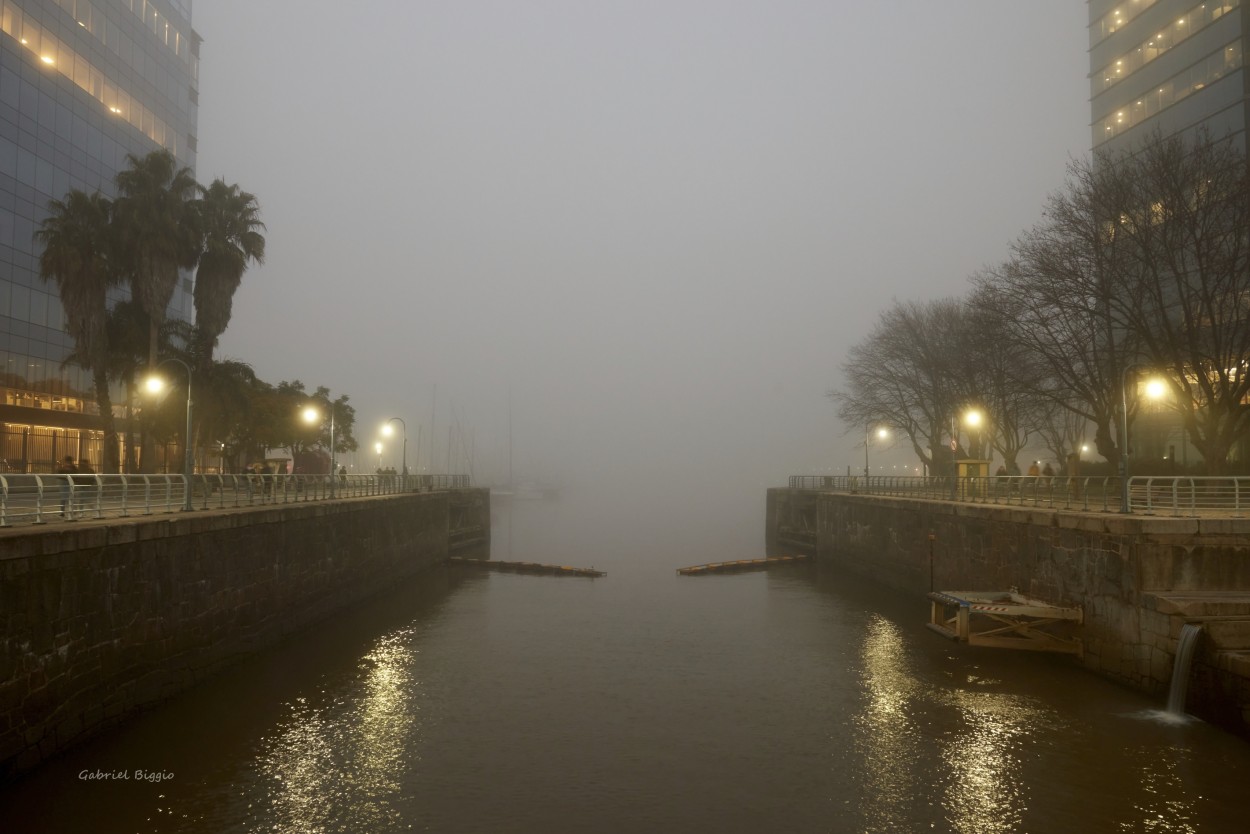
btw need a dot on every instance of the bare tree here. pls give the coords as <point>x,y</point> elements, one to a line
<point>914,372</point>
<point>1184,211</point>
<point>1054,300</point>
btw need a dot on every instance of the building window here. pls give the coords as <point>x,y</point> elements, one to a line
<point>1190,23</point>
<point>1115,20</point>
<point>1208,71</point>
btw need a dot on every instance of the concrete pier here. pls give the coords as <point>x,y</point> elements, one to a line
<point>99,619</point>
<point>1138,579</point>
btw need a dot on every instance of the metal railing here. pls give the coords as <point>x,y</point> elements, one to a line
<point>41,499</point>
<point>1148,495</point>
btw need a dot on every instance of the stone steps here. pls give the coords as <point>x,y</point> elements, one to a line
<point>1228,633</point>
<point>1235,662</point>
<point>1199,605</point>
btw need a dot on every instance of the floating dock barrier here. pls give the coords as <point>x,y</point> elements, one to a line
<point>1004,619</point>
<point>743,564</point>
<point>527,567</point>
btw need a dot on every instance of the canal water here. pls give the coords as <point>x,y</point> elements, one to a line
<point>793,700</point>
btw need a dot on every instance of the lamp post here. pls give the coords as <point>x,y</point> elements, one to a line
<point>154,385</point>
<point>973,419</point>
<point>377,447</point>
<point>882,434</point>
<point>1155,389</point>
<point>313,415</point>
<point>388,430</point>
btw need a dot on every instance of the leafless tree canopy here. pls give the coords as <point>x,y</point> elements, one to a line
<point>1142,262</point>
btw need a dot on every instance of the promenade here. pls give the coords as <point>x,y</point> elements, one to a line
<point>53,498</point>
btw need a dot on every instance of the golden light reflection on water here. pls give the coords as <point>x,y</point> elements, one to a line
<point>978,763</point>
<point>341,760</point>
<point>987,793</point>
<point>1165,805</point>
<point>888,738</point>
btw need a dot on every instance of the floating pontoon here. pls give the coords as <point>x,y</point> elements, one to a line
<point>742,564</point>
<point>527,567</point>
<point>1004,619</point>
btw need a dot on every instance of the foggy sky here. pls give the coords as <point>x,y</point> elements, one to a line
<point>660,225</point>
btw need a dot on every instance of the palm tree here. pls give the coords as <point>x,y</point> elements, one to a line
<point>226,400</point>
<point>76,238</point>
<point>158,231</point>
<point>229,220</point>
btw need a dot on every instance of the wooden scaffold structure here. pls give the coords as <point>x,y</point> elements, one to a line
<point>1004,619</point>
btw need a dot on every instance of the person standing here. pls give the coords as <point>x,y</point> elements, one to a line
<point>1074,475</point>
<point>66,470</point>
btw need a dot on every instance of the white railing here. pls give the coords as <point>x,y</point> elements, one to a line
<point>1148,495</point>
<point>41,499</point>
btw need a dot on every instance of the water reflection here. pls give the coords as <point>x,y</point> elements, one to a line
<point>986,793</point>
<point>887,735</point>
<point>1164,803</point>
<point>976,760</point>
<point>343,760</point>
<point>468,701</point>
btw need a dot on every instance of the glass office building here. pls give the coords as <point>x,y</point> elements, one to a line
<point>83,83</point>
<point>1170,65</point>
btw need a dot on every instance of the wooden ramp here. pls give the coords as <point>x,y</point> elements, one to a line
<point>1004,619</point>
<point>527,567</point>
<point>742,564</point>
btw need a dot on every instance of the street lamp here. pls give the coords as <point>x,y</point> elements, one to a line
<point>882,434</point>
<point>155,384</point>
<point>972,418</point>
<point>1155,389</point>
<point>389,430</point>
<point>313,415</point>
<point>377,447</point>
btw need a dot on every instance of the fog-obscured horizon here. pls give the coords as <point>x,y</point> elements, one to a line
<point>653,228</point>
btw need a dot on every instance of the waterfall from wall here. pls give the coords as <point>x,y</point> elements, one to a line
<point>1185,645</point>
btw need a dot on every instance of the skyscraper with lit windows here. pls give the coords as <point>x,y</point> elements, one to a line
<point>1171,67</point>
<point>1166,65</point>
<point>83,83</point>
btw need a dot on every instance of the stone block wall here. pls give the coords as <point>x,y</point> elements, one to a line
<point>1114,567</point>
<point>98,619</point>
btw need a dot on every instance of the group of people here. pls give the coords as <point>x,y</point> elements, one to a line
<point>1045,473</point>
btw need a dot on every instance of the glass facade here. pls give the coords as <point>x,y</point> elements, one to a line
<point>83,83</point>
<point>1207,71</point>
<point>1195,20</point>
<point>1166,65</point>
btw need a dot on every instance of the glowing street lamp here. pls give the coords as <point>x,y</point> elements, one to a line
<point>389,430</point>
<point>155,385</point>
<point>313,415</point>
<point>882,434</point>
<point>972,419</point>
<point>377,447</point>
<point>1155,389</point>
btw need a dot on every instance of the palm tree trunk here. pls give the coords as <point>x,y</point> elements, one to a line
<point>110,462</point>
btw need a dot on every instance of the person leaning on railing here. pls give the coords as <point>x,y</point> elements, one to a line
<point>86,485</point>
<point>67,470</point>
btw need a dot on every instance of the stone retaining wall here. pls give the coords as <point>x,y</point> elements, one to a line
<point>1115,567</point>
<point>98,619</point>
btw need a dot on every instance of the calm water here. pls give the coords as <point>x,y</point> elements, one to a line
<point>643,701</point>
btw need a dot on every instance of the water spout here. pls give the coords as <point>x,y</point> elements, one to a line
<point>1185,646</point>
